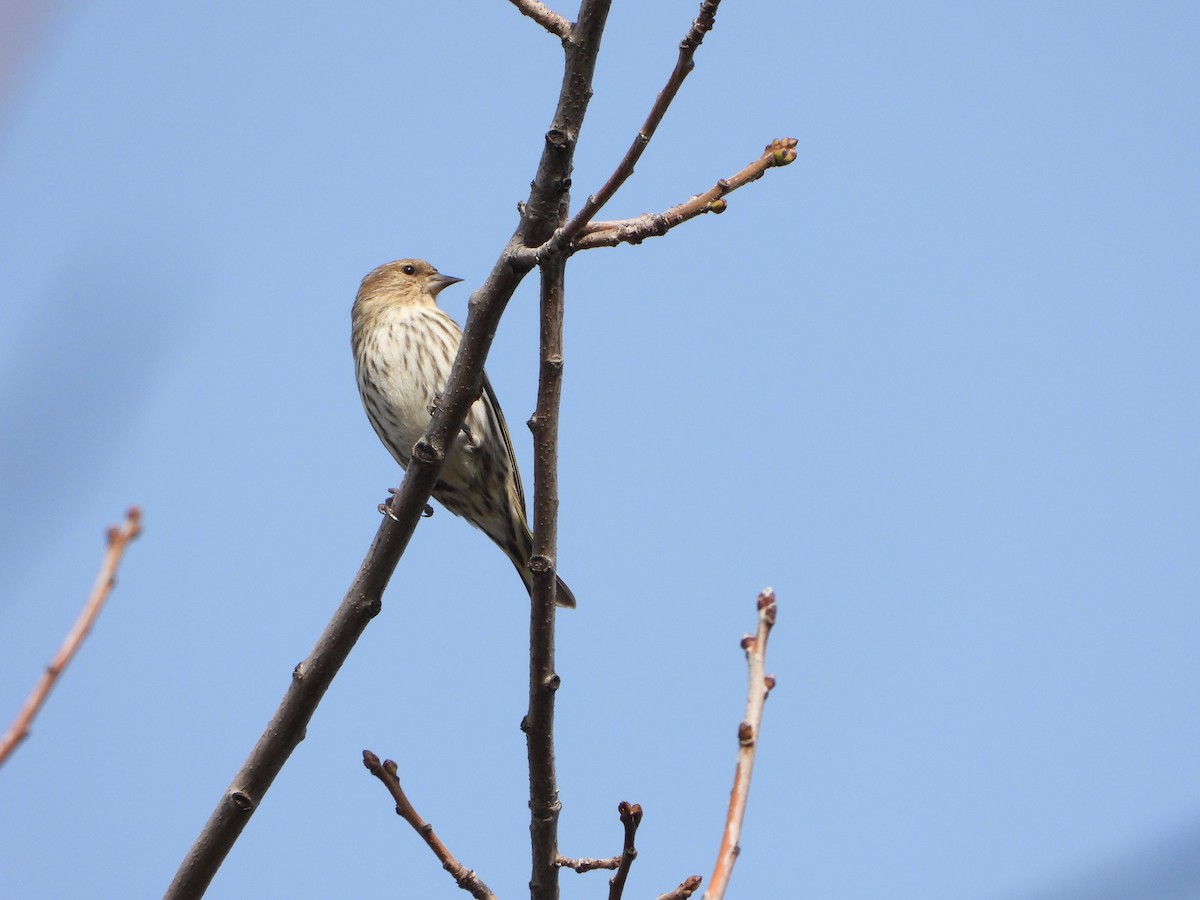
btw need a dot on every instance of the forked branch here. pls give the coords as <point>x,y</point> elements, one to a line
<point>760,685</point>
<point>780,152</point>
<point>684,64</point>
<point>466,879</point>
<point>118,539</point>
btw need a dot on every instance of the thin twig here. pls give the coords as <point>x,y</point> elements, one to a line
<point>779,152</point>
<point>690,885</point>
<point>118,539</point>
<point>587,865</point>
<point>684,64</point>
<point>631,817</point>
<point>547,18</point>
<point>464,877</point>
<point>760,685</point>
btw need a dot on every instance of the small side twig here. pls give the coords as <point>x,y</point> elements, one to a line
<point>690,885</point>
<point>631,817</point>
<point>466,879</point>
<point>760,686</point>
<point>118,539</point>
<point>780,152</point>
<point>585,864</point>
<point>547,18</point>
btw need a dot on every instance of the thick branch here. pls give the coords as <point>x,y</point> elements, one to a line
<point>118,540</point>
<point>547,18</point>
<point>466,879</point>
<point>363,600</point>
<point>540,216</point>
<point>548,199</point>
<point>760,685</point>
<point>779,152</point>
<point>684,64</point>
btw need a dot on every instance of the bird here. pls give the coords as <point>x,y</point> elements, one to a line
<point>404,346</point>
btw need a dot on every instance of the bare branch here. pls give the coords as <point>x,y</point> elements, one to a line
<point>547,18</point>
<point>118,539</point>
<point>466,879</point>
<point>760,686</point>
<point>587,865</point>
<point>684,64</point>
<point>631,817</point>
<point>544,805</point>
<point>779,152</point>
<point>690,885</point>
<point>541,214</point>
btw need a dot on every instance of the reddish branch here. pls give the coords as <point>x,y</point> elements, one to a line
<point>760,686</point>
<point>118,539</point>
<point>780,152</point>
<point>464,877</point>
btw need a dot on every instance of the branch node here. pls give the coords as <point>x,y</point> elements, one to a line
<point>242,801</point>
<point>423,451</point>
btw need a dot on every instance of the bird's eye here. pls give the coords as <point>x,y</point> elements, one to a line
<point>409,270</point>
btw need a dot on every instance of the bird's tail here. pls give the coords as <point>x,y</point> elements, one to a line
<point>562,594</point>
<point>519,551</point>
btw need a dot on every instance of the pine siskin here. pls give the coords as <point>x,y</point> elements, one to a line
<point>404,346</point>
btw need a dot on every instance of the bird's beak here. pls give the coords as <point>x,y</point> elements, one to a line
<point>439,281</point>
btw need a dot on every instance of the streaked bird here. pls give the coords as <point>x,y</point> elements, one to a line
<point>404,346</point>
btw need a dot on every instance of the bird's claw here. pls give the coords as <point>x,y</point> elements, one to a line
<point>385,508</point>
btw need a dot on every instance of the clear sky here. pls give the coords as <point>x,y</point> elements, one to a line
<point>936,382</point>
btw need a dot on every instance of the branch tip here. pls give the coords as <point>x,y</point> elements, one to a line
<point>117,539</point>
<point>759,686</point>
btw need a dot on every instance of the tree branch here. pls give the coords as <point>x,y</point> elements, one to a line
<point>540,216</point>
<point>760,686</point>
<point>780,152</point>
<point>587,865</point>
<point>684,64</point>
<point>690,885</point>
<point>543,213</point>
<point>631,817</point>
<point>466,879</point>
<point>118,539</point>
<point>363,601</point>
<point>546,210</point>
<point>544,805</point>
<point>547,18</point>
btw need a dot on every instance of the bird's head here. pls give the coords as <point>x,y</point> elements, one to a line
<point>405,282</point>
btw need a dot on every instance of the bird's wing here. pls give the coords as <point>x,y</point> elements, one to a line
<point>494,405</point>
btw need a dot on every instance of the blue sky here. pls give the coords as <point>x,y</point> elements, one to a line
<point>936,382</point>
